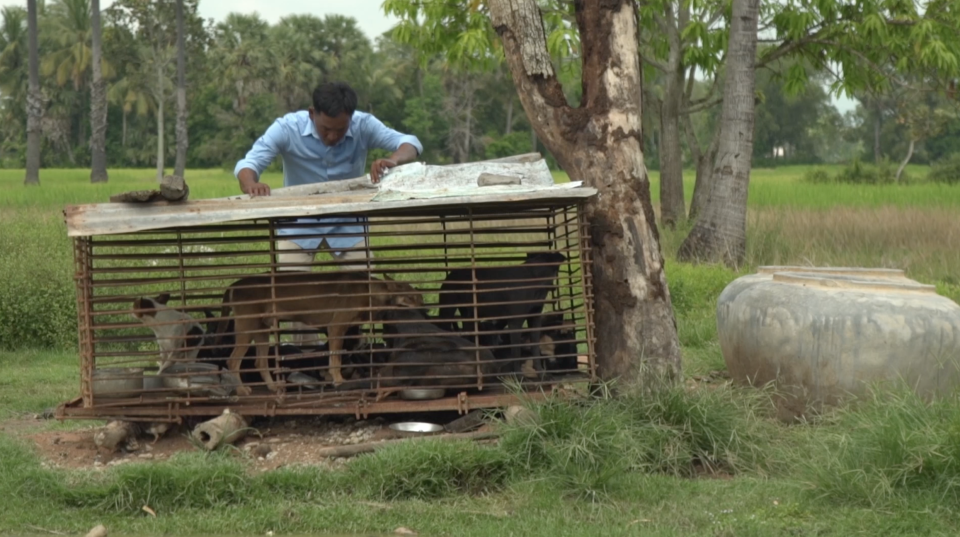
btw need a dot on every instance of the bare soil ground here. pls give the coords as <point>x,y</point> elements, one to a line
<point>281,441</point>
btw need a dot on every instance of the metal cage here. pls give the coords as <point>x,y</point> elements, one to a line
<point>476,357</point>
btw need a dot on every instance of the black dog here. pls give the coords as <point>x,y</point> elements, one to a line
<point>519,300</point>
<point>426,355</point>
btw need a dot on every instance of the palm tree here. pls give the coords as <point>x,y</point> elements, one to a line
<point>68,30</point>
<point>182,142</point>
<point>34,99</point>
<point>13,53</point>
<point>98,103</point>
<point>241,57</point>
<point>68,26</point>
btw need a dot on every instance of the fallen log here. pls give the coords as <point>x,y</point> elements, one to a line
<point>226,428</point>
<point>369,447</point>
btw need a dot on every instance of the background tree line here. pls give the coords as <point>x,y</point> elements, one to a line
<point>242,73</point>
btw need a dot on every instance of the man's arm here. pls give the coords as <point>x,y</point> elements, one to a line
<point>406,148</point>
<point>264,150</point>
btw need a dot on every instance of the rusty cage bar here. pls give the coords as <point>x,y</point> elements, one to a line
<point>491,312</point>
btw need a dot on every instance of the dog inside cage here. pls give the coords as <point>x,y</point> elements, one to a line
<point>465,300</point>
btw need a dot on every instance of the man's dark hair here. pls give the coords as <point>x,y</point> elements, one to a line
<point>334,98</point>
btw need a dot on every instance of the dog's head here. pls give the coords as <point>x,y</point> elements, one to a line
<point>402,294</point>
<point>545,257</point>
<point>149,305</point>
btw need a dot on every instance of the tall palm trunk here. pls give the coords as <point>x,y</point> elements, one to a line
<point>160,97</point>
<point>182,141</point>
<point>34,99</point>
<point>720,233</point>
<point>98,103</point>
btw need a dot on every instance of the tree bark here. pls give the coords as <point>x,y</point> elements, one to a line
<point>182,140</point>
<point>599,143</point>
<point>672,207</point>
<point>123,133</point>
<point>34,99</point>
<point>720,233</point>
<point>98,103</point>
<point>159,121</point>
<point>704,161</point>
<point>906,160</point>
<point>877,125</point>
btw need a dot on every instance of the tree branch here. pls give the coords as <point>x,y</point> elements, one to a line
<point>701,106</point>
<point>688,91</point>
<point>692,141</point>
<point>787,47</point>
<point>650,60</point>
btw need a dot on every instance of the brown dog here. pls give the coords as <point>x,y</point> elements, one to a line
<point>335,300</point>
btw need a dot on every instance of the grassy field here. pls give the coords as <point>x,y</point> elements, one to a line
<point>606,467</point>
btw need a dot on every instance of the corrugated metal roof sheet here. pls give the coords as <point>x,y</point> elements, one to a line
<point>413,186</point>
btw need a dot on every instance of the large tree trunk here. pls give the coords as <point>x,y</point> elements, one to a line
<point>671,155</point>
<point>34,99</point>
<point>600,143</point>
<point>720,233</point>
<point>182,142</point>
<point>98,104</point>
<point>123,133</point>
<point>906,159</point>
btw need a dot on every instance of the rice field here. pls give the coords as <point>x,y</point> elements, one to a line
<point>888,467</point>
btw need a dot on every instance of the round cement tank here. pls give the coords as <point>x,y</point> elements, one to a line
<point>824,334</point>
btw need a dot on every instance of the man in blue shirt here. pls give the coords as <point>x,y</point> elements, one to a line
<point>328,142</point>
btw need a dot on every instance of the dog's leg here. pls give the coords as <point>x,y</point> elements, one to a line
<point>240,348</point>
<point>335,335</point>
<point>263,364</point>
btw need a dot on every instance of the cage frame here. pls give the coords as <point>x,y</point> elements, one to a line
<point>90,224</point>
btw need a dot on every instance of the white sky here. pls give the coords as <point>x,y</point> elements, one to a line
<point>368,14</point>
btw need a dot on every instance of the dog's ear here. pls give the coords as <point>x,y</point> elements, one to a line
<point>163,299</point>
<point>414,300</point>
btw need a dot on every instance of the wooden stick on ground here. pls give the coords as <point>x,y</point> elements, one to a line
<point>369,447</point>
<point>462,424</point>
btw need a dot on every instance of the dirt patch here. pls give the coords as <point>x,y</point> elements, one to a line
<point>281,441</point>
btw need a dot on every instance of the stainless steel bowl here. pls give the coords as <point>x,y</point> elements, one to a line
<point>117,381</point>
<point>416,427</point>
<point>152,382</point>
<point>191,378</point>
<point>420,394</point>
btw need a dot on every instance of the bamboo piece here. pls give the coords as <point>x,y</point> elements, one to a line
<point>226,428</point>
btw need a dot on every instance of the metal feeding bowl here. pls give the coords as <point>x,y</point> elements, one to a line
<point>416,427</point>
<point>420,394</point>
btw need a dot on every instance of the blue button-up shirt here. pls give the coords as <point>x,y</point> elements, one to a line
<point>307,160</point>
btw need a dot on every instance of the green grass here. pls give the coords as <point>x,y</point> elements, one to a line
<point>607,467</point>
<point>783,187</point>
<point>60,187</point>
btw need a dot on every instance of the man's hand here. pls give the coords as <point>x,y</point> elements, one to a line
<point>257,189</point>
<point>379,168</point>
<point>249,184</point>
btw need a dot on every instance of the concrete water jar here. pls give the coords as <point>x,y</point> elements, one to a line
<point>825,334</point>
